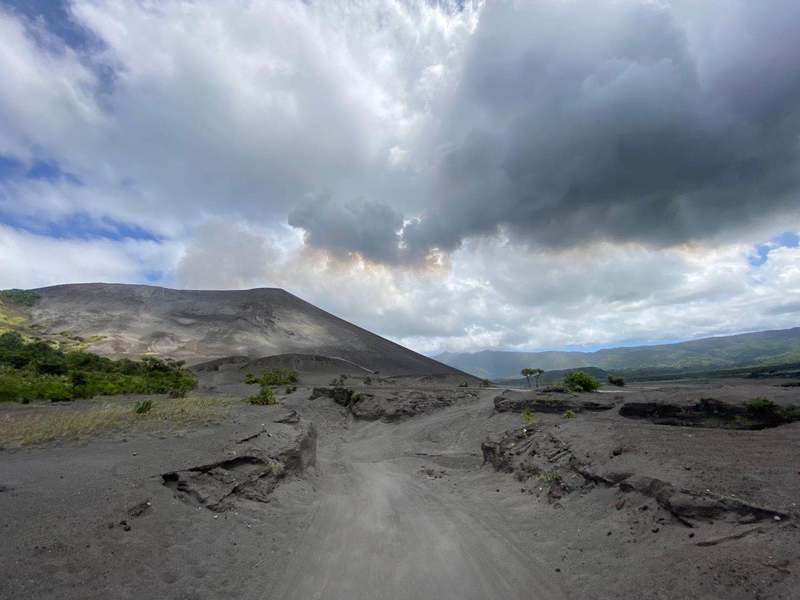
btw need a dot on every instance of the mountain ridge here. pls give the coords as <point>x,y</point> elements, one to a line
<point>745,349</point>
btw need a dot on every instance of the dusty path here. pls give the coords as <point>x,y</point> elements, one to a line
<point>380,531</point>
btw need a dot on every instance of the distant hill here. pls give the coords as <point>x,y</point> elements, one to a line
<point>134,320</point>
<point>748,349</point>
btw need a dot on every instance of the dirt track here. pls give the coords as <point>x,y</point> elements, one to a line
<point>378,531</point>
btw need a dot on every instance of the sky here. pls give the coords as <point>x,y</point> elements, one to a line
<point>454,175</point>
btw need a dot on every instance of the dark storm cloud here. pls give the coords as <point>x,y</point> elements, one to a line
<point>368,228</point>
<point>628,121</point>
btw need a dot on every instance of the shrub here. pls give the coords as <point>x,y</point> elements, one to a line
<point>550,476</point>
<point>367,380</point>
<point>528,418</point>
<point>616,380</point>
<point>37,369</point>
<point>278,377</point>
<point>250,379</point>
<point>791,412</point>
<point>143,406</point>
<point>578,381</point>
<point>463,384</point>
<point>291,389</point>
<point>569,414</point>
<point>19,297</point>
<point>761,406</point>
<point>264,397</point>
<point>485,383</point>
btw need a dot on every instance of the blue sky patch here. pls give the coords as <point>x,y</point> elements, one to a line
<point>80,226</point>
<point>760,254</point>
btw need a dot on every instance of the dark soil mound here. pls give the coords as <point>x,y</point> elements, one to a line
<point>709,412</point>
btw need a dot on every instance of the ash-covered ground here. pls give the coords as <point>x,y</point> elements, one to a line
<point>409,488</point>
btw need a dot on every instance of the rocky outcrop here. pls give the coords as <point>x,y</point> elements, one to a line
<point>257,465</point>
<point>392,405</point>
<point>533,452</point>
<point>708,412</point>
<point>513,401</point>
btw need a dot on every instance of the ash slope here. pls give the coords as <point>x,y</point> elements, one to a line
<point>194,325</point>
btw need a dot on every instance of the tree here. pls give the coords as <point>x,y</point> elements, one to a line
<point>528,373</point>
<point>536,373</point>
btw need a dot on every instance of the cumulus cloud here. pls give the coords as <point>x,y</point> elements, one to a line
<point>455,175</point>
<point>28,260</point>
<point>370,229</point>
<point>621,121</point>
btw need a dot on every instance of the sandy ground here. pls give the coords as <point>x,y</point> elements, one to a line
<point>400,510</point>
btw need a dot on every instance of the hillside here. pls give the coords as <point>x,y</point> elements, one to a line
<point>134,320</point>
<point>749,349</point>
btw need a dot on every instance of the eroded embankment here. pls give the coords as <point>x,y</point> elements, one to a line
<point>709,412</point>
<point>392,404</point>
<point>538,452</point>
<point>254,466</point>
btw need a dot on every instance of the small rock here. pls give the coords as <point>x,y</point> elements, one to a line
<point>655,530</point>
<point>620,503</point>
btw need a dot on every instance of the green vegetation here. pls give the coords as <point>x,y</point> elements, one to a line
<point>569,414</point>
<point>550,476</point>
<point>766,408</point>
<point>339,381</point>
<point>485,383</point>
<point>616,380</point>
<point>31,370</point>
<point>528,418</point>
<point>578,381</point>
<point>19,297</point>
<point>273,377</point>
<point>264,397</point>
<point>761,406</point>
<point>143,407</point>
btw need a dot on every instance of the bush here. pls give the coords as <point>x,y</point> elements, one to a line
<point>791,413</point>
<point>578,381</point>
<point>265,397</point>
<point>250,379</point>
<point>19,297</point>
<point>616,380</point>
<point>31,370</point>
<point>278,377</point>
<point>463,384</point>
<point>569,414</point>
<point>143,406</point>
<point>761,406</point>
<point>550,476</point>
<point>485,383</point>
<point>528,418</point>
<point>291,389</point>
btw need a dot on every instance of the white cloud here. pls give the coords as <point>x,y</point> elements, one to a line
<point>210,122</point>
<point>29,261</point>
